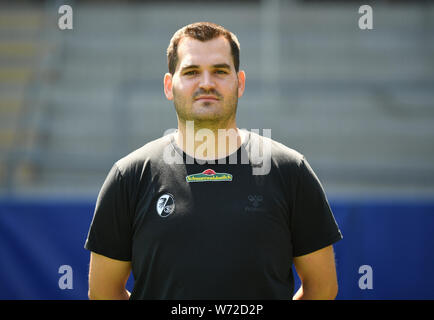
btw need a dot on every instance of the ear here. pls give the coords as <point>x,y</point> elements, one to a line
<point>241,83</point>
<point>168,86</point>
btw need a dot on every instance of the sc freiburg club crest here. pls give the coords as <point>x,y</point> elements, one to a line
<point>165,205</point>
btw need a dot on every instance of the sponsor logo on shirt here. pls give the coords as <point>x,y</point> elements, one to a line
<point>165,205</point>
<point>208,175</point>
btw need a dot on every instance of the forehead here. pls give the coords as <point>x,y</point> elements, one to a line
<point>204,53</point>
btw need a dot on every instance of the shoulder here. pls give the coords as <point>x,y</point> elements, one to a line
<point>142,157</point>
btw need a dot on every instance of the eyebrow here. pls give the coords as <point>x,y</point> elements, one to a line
<point>218,66</point>
<point>222,66</point>
<point>192,66</point>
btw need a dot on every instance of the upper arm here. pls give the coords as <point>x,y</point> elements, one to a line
<point>317,271</point>
<point>107,277</point>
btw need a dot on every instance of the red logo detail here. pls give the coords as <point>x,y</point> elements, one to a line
<point>209,172</point>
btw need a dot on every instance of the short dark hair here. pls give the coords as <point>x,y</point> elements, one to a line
<point>202,31</point>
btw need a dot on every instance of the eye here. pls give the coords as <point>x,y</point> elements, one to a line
<point>221,72</point>
<point>190,73</point>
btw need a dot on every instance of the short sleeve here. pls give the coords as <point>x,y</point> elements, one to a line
<point>313,225</point>
<point>110,230</point>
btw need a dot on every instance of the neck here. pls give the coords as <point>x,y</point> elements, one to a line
<point>206,142</point>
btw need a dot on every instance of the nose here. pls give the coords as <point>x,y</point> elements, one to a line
<point>206,81</point>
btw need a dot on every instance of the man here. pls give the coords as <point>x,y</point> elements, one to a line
<point>191,224</point>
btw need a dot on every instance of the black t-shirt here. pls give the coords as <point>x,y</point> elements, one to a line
<point>195,230</point>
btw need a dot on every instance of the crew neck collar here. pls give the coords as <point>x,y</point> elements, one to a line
<point>245,137</point>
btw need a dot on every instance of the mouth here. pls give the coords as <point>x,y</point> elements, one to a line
<point>206,98</point>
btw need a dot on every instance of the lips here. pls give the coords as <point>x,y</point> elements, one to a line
<point>207,98</point>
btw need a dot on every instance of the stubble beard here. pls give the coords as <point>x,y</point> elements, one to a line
<point>220,118</point>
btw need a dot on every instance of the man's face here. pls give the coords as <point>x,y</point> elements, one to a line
<point>205,85</point>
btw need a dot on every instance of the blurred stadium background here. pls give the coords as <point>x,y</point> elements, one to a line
<point>358,103</point>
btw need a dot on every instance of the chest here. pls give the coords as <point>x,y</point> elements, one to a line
<point>199,204</point>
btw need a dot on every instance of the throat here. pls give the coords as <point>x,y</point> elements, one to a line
<point>207,144</point>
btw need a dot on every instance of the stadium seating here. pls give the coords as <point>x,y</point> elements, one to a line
<point>358,104</point>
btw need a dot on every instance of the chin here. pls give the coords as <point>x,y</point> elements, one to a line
<point>206,117</point>
<point>206,111</point>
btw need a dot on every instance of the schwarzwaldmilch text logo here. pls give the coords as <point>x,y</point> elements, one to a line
<point>208,175</point>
